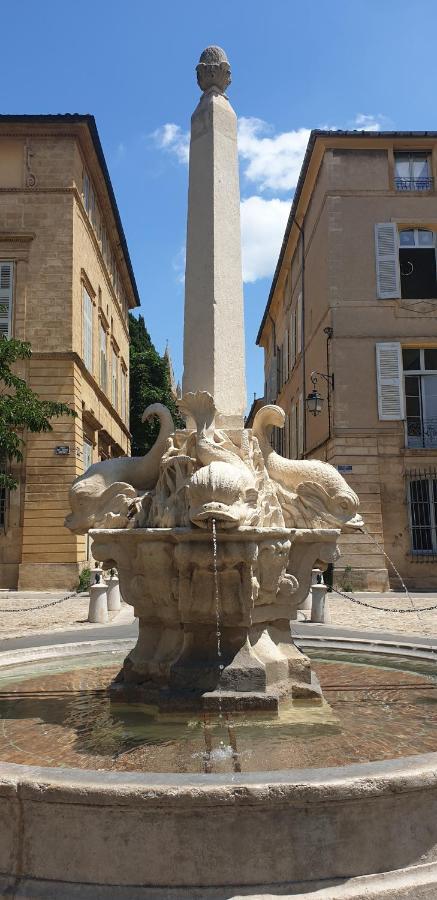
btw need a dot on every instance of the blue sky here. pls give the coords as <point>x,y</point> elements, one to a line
<point>295,66</point>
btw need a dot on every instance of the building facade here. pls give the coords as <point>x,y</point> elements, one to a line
<point>352,312</point>
<point>66,285</point>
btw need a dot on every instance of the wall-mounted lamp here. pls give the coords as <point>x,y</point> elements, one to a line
<point>315,402</point>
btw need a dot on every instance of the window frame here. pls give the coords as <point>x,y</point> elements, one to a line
<point>430,479</point>
<point>421,373</point>
<point>411,155</point>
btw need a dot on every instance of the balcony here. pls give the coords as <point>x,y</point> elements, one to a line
<point>414,184</point>
<point>422,434</point>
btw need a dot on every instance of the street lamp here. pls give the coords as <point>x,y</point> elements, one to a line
<point>315,402</point>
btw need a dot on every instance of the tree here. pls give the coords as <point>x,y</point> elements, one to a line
<point>149,383</point>
<point>20,407</point>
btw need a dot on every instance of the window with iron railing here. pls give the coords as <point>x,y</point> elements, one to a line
<point>420,380</point>
<point>422,510</point>
<point>413,172</point>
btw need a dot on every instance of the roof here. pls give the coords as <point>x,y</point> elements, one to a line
<point>90,122</point>
<point>314,136</point>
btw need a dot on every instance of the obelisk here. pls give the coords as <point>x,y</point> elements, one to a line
<point>214,352</point>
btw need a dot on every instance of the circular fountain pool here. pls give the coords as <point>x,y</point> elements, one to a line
<point>59,713</point>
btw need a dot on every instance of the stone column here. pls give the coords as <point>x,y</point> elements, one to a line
<point>214,354</point>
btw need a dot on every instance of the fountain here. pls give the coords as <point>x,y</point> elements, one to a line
<point>176,782</point>
<point>275,518</point>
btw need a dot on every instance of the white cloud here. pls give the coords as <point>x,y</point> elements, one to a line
<point>273,160</point>
<point>262,229</point>
<point>171,137</point>
<point>369,122</point>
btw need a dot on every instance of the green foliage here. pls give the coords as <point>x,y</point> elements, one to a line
<point>149,383</point>
<point>20,407</point>
<point>84,582</point>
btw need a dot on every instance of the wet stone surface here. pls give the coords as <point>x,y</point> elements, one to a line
<point>59,713</point>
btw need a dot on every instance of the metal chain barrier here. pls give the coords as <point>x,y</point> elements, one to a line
<point>392,609</point>
<point>42,606</point>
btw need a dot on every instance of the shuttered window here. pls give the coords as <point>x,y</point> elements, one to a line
<point>300,426</point>
<point>285,366</point>
<point>6,288</point>
<point>87,336</point>
<point>87,454</point>
<point>123,394</point>
<point>299,325</point>
<point>293,432</point>
<point>292,340</point>
<point>114,379</point>
<point>389,382</point>
<point>103,359</point>
<point>388,282</point>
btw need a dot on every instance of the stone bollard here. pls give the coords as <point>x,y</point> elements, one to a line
<point>96,575</point>
<point>113,590</point>
<point>98,608</point>
<point>319,608</point>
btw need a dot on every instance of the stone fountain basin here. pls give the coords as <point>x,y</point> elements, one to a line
<point>356,832</point>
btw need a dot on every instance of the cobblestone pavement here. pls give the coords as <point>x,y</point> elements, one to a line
<point>73,611</point>
<point>344,612</point>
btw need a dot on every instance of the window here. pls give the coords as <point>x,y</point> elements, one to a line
<point>6,287</point>
<point>417,262</point>
<point>422,508</point>
<point>114,379</point>
<point>123,394</point>
<point>103,359</point>
<point>87,349</point>
<point>87,454</point>
<point>86,191</point>
<point>420,379</point>
<point>413,172</point>
<point>405,262</point>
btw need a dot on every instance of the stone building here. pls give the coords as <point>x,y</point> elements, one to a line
<point>354,299</point>
<point>66,285</point>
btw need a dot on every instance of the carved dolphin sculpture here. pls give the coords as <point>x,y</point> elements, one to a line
<point>101,497</point>
<point>320,491</point>
<point>211,445</point>
<point>222,492</point>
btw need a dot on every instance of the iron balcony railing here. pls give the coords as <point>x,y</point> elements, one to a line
<point>414,184</point>
<point>422,433</point>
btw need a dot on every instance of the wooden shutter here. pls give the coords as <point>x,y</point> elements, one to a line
<point>388,279</point>
<point>285,369</point>
<point>87,330</point>
<point>300,426</point>
<point>293,432</point>
<point>390,382</point>
<point>6,272</point>
<point>299,325</point>
<point>292,340</point>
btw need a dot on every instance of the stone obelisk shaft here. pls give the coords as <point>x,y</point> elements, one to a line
<point>214,353</point>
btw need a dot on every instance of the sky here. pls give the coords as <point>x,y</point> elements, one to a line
<point>295,66</point>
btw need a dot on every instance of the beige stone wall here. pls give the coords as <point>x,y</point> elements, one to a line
<point>353,191</point>
<point>44,229</point>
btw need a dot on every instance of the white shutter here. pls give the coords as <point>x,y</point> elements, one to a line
<point>299,325</point>
<point>6,269</point>
<point>388,279</point>
<point>300,426</point>
<point>390,381</point>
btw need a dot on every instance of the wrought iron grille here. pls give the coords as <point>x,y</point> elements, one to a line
<point>414,184</point>
<point>421,432</point>
<point>422,507</point>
